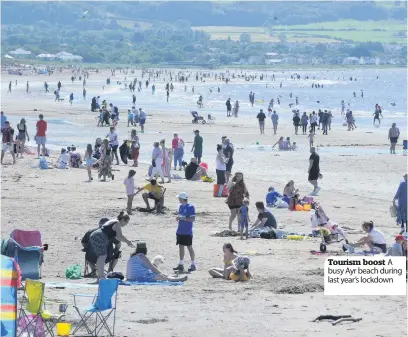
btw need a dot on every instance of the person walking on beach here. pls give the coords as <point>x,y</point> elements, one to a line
<point>84,93</point>
<point>377,114</point>
<point>7,141</point>
<point>296,122</point>
<point>275,121</point>
<point>167,157</point>
<point>314,170</point>
<point>236,108</point>
<point>304,121</point>
<point>9,88</point>
<point>261,119</point>
<point>40,137</point>
<point>113,143</point>
<point>71,98</point>
<point>228,150</point>
<point>89,161</point>
<point>27,87</point>
<point>401,196</point>
<point>229,107</point>
<point>46,87</point>
<point>59,85</point>
<point>325,121</point>
<point>184,233</point>
<point>197,146</point>
<point>313,122</point>
<point>393,135</point>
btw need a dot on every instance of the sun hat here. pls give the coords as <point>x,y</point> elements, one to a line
<point>182,195</point>
<point>400,237</point>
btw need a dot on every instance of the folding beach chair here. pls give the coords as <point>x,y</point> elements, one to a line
<point>8,306</point>
<point>28,258</point>
<point>34,312</point>
<point>29,239</point>
<point>101,308</point>
<point>211,119</point>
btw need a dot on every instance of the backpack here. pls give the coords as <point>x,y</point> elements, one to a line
<point>55,92</point>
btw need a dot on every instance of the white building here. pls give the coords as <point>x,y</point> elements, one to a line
<point>20,52</point>
<point>46,56</point>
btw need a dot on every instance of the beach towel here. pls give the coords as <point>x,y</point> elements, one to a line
<point>69,285</point>
<point>8,306</point>
<point>154,283</point>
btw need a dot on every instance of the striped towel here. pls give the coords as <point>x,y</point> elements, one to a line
<point>8,307</point>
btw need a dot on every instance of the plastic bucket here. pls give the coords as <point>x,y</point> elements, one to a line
<point>306,207</point>
<point>216,190</point>
<point>63,329</point>
<point>295,237</point>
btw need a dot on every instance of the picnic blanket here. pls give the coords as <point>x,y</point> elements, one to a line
<point>156,283</point>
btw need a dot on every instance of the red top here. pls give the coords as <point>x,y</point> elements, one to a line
<point>41,128</point>
<point>7,135</point>
<point>174,143</point>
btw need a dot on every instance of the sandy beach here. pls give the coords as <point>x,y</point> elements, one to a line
<point>360,179</point>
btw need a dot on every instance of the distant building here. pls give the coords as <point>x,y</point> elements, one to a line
<point>46,56</point>
<point>351,60</point>
<point>362,61</point>
<point>20,53</point>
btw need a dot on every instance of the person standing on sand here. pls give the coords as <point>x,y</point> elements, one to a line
<point>157,162</point>
<point>228,104</point>
<point>142,119</point>
<point>296,122</point>
<point>167,157</point>
<point>228,150</point>
<point>184,233</point>
<point>89,161</point>
<point>22,136</point>
<point>314,170</point>
<point>84,93</point>
<point>9,88</point>
<point>401,196</point>
<point>177,145</point>
<point>197,146</point>
<point>40,137</point>
<point>113,143</point>
<point>71,98</point>
<point>7,141</point>
<point>304,121</point>
<point>237,193</point>
<point>261,119</point>
<point>393,135</point>
<point>46,87</point>
<point>275,121</point>
<point>28,87</point>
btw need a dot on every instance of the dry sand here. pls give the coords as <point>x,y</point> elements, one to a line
<point>286,293</point>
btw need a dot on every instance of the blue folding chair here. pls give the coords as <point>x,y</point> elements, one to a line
<point>102,308</point>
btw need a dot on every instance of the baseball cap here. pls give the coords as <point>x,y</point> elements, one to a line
<point>182,195</point>
<point>399,237</point>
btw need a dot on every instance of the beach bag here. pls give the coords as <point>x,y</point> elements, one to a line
<point>115,275</point>
<point>393,211</point>
<point>268,235</point>
<point>43,163</point>
<point>74,272</point>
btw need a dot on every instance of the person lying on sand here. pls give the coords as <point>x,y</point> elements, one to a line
<point>140,269</point>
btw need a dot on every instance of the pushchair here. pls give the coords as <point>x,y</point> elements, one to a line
<point>197,119</point>
<point>112,257</point>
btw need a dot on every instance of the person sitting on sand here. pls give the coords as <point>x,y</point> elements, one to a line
<point>290,189</point>
<point>194,171</point>
<point>397,249</point>
<point>280,142</point>
<point>155,192</point>
<point>236,268</point>
<point>272,197</point>
<point>140,269</point>
<point>265,218</point>
<point>75,159</point>
<point>374,238</point>
<point>63,160</point>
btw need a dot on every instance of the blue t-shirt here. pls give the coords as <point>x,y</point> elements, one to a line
<point>185,227</point>
<point>401,195</point>
<point>244,212</point>
<point>275,118</point>
<point>271,197</point>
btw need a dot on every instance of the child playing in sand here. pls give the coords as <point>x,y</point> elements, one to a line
<point>130,189</point>
<point>272,197</point>
<point>243,218</point>
<point>240,269</point>
<point>311,137</point>
<point>89,161</point>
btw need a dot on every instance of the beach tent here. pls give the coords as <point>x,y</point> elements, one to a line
<point>20,52</point>
<point>8,306</point>
<point>7,56</point>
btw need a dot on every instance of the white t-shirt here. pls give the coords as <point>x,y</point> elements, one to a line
<point>63,161</point>
<point>113,138</point>
<point>313,119</point>
<point>377,237</point>
<point>219,164</point>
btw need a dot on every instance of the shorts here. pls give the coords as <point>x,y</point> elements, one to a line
<point>393,140</point>
<point>135,153</point>
<point>198,154</point>
<point>115,148</point>
<point>142,121</point>
<point>150,195</point>
<point>313,176</point>
<point>234,206</point>
<point>261,123</point>
<point>40,140</point>
<point>229,165</point>
<point>8,147</point>
<point>184,240</point>
<point>89,162</point>
<point>382,246</point>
